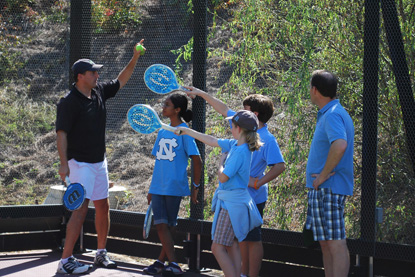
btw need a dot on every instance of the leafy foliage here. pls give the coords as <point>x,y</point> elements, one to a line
<point>108,15</point>
<point>273,48</point>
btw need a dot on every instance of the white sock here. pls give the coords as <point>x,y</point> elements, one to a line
<point>100,250</point>
<point>64,261</point>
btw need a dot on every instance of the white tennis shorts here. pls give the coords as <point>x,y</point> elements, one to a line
<point>94,178</point>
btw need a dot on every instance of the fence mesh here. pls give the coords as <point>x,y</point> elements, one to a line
<point>268,47</point>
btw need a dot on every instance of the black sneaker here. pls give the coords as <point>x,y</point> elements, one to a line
<point>102,260</point>
<point>73,267</point>
<point>156,268</point>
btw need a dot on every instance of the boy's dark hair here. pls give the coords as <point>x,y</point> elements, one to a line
<point>261,104</point>
<point>325,82</point>
<point>180,101</point>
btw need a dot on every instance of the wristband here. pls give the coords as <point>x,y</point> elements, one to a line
<point>256,181</point>
<point>196,186</point>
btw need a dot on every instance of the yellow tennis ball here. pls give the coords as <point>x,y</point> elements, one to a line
<point>140,48</point>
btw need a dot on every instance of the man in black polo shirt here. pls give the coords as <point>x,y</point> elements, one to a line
<point>80,128</point>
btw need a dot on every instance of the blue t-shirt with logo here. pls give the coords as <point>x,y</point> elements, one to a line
<point>333,123</point>
<point>268,155</point>
<point>172,154</point>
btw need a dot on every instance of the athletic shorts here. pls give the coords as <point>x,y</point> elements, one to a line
<point>325,214</point>
<point>93,176</point>
<point>224,234</point>
<point>256,234</point>
<point>165,209</point>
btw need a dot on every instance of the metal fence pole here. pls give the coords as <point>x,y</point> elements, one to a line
<point>80,34</point>
<point>199,109</point>
<point>370,120</point>
<point>400,69</point>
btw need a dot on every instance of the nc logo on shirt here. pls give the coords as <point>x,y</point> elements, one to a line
<point>165,151</point>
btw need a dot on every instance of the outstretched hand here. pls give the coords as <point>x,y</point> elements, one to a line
<point>193,92</point>
<point>180,131</point>
<point>140,50</point>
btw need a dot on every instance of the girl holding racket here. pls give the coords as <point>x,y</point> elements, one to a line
<point>170,182</point>
<point>235,212</point>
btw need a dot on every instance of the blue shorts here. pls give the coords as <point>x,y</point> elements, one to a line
<point>325,214</point>
<point>165,209</point>
<point>256,234</point>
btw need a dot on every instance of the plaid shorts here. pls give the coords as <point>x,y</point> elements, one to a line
<point>224,232</point>
<point>325,214</point>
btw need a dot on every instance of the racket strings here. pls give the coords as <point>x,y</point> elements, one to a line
<point>160,79</point>
<point>143,120</point>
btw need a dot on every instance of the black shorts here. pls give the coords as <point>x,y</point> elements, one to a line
<point>256,234</point>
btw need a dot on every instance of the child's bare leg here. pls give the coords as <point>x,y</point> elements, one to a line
<point>167,241</point>
<point>235,255</point>
<point>224,260</point>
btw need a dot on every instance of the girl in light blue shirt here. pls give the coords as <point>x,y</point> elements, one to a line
<point>235,212</point>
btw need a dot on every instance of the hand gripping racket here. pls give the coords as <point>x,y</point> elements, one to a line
<point>147,221</point>
<point>144,120</point>
<point>161,79</point>
<point>74,195</point>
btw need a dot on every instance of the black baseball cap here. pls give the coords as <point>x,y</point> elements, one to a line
<point>245,119</point>
<point>82,65</point>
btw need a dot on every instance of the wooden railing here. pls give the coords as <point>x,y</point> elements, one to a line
<point>43,227</point>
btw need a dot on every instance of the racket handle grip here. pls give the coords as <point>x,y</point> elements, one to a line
<point>183,88</point>
<point>169,128</point>
<point>67,181</point>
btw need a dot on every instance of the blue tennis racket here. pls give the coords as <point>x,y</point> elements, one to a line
<point>161,79</point>
<point>147,221</point>
<point>144,120</point>
<point>74,196</point>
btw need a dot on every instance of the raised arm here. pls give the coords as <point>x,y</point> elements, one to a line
<point>206,139</point>
<point>126,73</point>
<point>217,104</point>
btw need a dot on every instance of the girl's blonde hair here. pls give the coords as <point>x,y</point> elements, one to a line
<point>252,138</point>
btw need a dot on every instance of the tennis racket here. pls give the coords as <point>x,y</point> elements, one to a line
<point>147,221</point>
<point>161,79</point>
<point>74,196</point>
<point>144,120</point>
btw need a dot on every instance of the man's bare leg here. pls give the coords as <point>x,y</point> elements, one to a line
<point>73,229</point>
<point>336,258</point>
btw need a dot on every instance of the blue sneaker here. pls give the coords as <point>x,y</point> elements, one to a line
<point>173,269</point>
<point>156,268</point>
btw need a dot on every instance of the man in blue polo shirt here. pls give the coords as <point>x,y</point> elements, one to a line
<point>80,129</point>
<point>330,173</point>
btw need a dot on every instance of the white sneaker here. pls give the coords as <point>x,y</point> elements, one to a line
<point>102,260</point>
<point>73,267</point>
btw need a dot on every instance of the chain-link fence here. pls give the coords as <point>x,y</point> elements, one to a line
<point>267,47</point>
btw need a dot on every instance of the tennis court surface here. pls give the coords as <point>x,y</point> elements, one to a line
<point>41,263</point>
